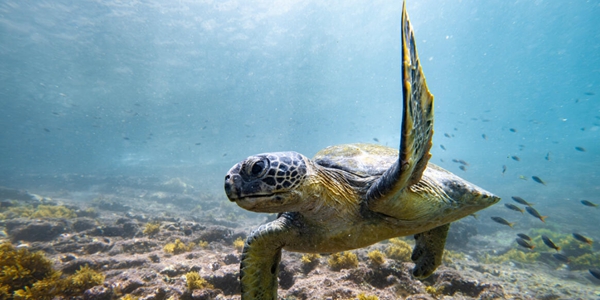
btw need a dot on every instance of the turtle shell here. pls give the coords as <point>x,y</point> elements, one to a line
<point>361,159</point>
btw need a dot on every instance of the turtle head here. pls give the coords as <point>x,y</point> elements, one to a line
<point>267,182</point>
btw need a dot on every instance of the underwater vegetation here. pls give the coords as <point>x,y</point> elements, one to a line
<point>376,257</point>
<point>309,262</point>
<point>580,255</point>
<point>178,247</point>
<point>362,296</point>
<point>238,244</point>
<point>29,275</point>
<point>343,260</point>
<point>37,212</point>
<point>195,282</point>
<point>433,291</point>
<point>511,255</point>
<point>152,228</point>
<point>399,250</point>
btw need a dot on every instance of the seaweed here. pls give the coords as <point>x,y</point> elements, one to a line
<point>238,244</point>
<point>309,262</point>
<point>178,247</point>
<point>512,254</point>
<point>362,296</point>
<point>343,260</point>
<point>196,282</point>
<point>40,212</point>
<point>399,250</point>
<point>151,228</point>
<point>29,275</point>
<point>376,257</point>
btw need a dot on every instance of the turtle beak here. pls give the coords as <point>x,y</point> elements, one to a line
<point>233,182</point>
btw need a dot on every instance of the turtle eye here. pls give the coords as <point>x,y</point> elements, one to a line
<point>259,167</point>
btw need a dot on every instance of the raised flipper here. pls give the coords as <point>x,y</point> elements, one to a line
<point>260,260</point>
<point>416,131</point>
<point>429,249</point>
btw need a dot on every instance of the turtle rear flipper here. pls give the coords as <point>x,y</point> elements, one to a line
<point>417,127</point>
<point>429,250</point>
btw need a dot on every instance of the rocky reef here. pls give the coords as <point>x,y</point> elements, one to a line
<point>161,239</point>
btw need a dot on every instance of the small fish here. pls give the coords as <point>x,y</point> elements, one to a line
<point>443,148</point>
<point>484,136</point>
<point>524,243</point>
<point>376,139</point>
<point>550,243</point>
<point>595,273</point>
<point>126,138</point>
<point>446,135</point>
<point>547,156</point>
<point>462,168</point>
<point>46,129</point>
<point>538,180</point>
<point>224,154</point>
<point>524,236</point>
<point>535,213</point>
<point>502,221</point>
<point>561,257</point>
<point>462,162</point>
<point>521,200</point>
<point>582,238</point>
<point>589,93</point>
<point>588,203</point>
<point>513,130</point>
<point>522,177</point>
<point>503,169</point>
<point>515,158</point>
<point>198,144</point>
<point>513,207</point>
<point>580,149</point>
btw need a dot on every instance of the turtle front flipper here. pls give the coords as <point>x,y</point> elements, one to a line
<point>429,250</point>
<point>417,126</point>
<point>260,259</point>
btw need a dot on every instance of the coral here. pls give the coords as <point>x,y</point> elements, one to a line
<point>152,228</point>
<point>344,260</point>
<point>376,257</point>
<point>362,296</point>
<point>399,250</point>
<point>238,244</point>
<point>26,275</point>
<point>178,247</point>
<point>196,282</point>
<point>129,297</point>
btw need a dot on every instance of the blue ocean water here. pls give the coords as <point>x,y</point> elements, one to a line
<point>192,87</point>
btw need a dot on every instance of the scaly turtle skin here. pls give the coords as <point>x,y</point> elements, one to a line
<point>352,196</point>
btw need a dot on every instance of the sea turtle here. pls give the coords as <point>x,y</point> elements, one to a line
<point>352,196</point>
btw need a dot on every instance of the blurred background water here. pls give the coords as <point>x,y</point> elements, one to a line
<point>189,88</point>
